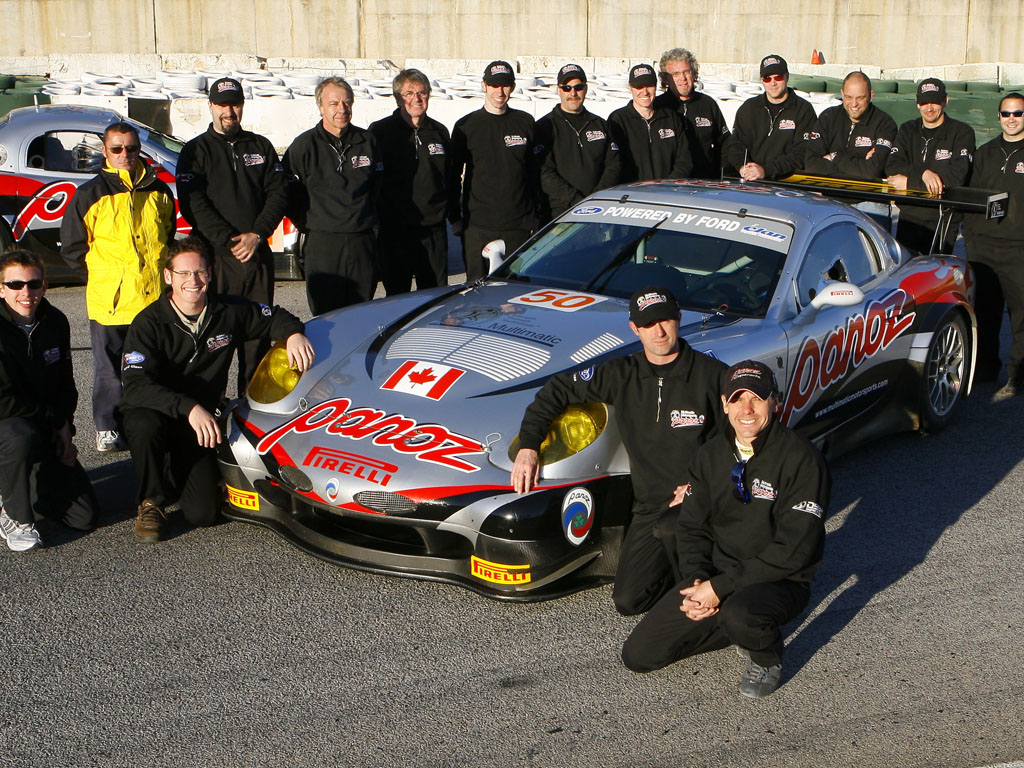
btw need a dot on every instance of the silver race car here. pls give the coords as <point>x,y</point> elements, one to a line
<point>392,454</point>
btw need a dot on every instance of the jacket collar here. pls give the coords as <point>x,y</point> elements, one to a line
<point>166,314</point>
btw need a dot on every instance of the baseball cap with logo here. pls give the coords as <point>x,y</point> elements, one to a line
<point>750,376</point>
<point>499,73</point>
<point>931,91</point>
<point>227,90</point>
<point>642,75</point>
<point>651,304</point>
<point>571,72</point>
<point>773,64</point>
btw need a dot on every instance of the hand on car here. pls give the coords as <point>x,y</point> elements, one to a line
<point>300,352</point>
<point>205,425</point>
<point>525,471</point>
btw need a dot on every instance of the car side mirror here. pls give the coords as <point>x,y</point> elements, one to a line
<point>832,294</point>
<point>494,254</point>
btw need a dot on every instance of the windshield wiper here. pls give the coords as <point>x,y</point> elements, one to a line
<point>628,250</point>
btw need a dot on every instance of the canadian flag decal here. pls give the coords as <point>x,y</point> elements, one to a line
<point>423,379</point>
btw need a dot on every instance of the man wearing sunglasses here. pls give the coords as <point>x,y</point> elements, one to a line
<point>666,405</point>
<point>176,363</point>
<point>119,223</point>
<point>578,155</point>
<point>931,152</point>
<point>767,140</point>
<point>995,247</point>
<point>39,469</point>
<point>750,535</point>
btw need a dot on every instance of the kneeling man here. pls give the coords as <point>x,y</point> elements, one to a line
<point>175,372</point>
<point>750,535</point>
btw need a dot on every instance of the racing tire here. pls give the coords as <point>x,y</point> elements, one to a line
<point>945,373</point>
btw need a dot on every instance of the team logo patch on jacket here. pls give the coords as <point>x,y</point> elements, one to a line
<point>435,149</point>
<point>943,154</point>
<point>515,140</point>
<point>253,159</point>
<point>862,141</point>
<point>1019,168</point>
<point>809,506</point>
<point>51,356</point>
<point>762,489</point>
<point>216,342</point>
<point>586,374</point>
<point>265,310</point>
<point>133,358</point>
<point>702,122</point>
<point>884,143</point>
<point>666,133</point>
<point>595,135</point>
<point>787,125</point>
<point>684,418</point>
<point>360,161</point>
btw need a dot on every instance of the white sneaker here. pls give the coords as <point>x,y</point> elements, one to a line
<point>20,538</point>
<point>108,441</point>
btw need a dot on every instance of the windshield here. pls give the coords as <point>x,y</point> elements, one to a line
<point>160,139</point>
<point>717,271</point>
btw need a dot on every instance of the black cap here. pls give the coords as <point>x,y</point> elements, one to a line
<point>571,72</point>
<point>931,91</point>
<point>773,64</point>
<point>499,73</point>
<point>641,75</point>
<point>751,376</point>
<point>651,304</point>
<point>227,90</point>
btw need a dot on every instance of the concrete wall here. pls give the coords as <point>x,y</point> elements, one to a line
<point>883,33</point>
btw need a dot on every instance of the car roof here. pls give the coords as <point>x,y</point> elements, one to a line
<point>54,116</point>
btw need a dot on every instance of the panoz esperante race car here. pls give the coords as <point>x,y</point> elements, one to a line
<point>392,454</point>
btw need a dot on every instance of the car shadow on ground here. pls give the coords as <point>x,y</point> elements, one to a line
<point>889,531</point>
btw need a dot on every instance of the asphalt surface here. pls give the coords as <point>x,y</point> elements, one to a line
<point>229,646</point>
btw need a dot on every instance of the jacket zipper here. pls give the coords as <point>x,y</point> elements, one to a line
<point>657,418</point>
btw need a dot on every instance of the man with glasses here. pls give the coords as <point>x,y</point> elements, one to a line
<point>767,140</point>
<point>851,141</point>
<point>931,152</point>
<point>578,154</point>
<point>416,150</point>
<point>995,247</point>
<point>335,169</point>
<point>178,353</point>
<point>750,535</point>
<point>706,129</point>
<point>119,223</point>
<point>232,191</point>
<point>666,403</point>
<point>39,469</point>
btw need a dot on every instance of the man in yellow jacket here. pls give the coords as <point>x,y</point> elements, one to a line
<point>120,223</point>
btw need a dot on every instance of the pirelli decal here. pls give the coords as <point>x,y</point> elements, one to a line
<point>243,499</point>
<point>498,573</point>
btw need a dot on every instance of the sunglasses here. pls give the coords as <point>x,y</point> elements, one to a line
<point>131,149</point>
<point>773,78</point>
<point>578,87</point>
<point>1011,112</point>
<point>184,274</point>
<point>16,285</point>
<point>739,470</point>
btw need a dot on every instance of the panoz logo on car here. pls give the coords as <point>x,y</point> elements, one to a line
<point>426,442</point>
<point>498,573</point>
<point>563,301</point>
<point>577,515</point>
<point>352,464</point>
<point>47,206</point>
<point>243,499</point>
<point>819,366</point>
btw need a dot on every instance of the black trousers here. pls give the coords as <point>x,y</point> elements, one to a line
<point>644,573</point>
<point>34,483</point>
<point>749,618</point>
<point>341,269</point>
<point>999,270</point>
<point>413,252</point>
<point>153,438</point>
<point>475,238</point>
<point>253,280</point>
<point>107,348</point>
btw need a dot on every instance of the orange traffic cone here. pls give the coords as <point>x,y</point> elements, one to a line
<point>815,58</point>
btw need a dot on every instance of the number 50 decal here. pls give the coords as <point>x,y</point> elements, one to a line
<point>563,301</point>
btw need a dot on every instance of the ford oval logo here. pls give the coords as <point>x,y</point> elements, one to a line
<point>588,210</point>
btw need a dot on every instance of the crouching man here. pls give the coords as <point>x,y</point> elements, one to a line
<point>175,370</point>
<point>39,469</point>
<point>750,535</point>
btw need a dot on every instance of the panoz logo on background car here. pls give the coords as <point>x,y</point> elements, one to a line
<point>243,499</point>
<point>577,515</point>
<point>498,573</point>
<point>47,206</point>
<point>430,380</point>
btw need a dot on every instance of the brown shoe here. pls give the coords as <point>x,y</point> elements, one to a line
<point>150,521</point>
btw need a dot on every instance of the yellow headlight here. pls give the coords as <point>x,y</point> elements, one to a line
<point>578,426</point>
<point>274,378</point>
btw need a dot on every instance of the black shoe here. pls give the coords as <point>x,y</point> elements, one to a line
<point>757,681</point>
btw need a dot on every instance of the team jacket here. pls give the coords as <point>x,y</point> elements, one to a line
<point>336,181</point>
<point>771,135</point>
<point>229,187</point>
<point>706,130</point>
<point>661,419</point>
<point>947,150</point>
<point>414,191</point>
<point>779,534</point>
<point>654,149</point>
<point>122,231</point>
<point>999,165</point>
<point>501,180</point>
<point>846,144</point>
<point>578,157</point>
<point>36,378</point>
<point>168,369</point>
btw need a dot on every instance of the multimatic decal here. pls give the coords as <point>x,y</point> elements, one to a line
<point>819,366</point>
